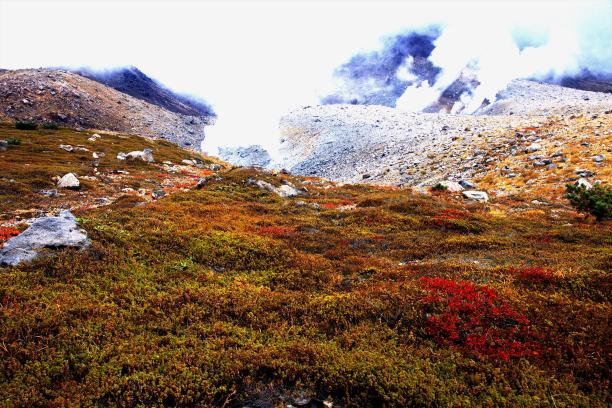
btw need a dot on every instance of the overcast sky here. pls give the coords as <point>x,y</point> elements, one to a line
<point>252,60</point>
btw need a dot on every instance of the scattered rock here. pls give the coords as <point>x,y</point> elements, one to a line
<point>584,173</point>
<point>49,193</point>
<point>599,158</point>
<point>467,184</point>
<point>69,181</point>
<point>534,147</point>
<point>67,148</point>
<point>284,191</point>
<point>158,194</point>
<point>46,232</point>
<point>584,183</point>
<point>476,195</point>
<point>94,137</point>
<point>3,145</point>
<point>98,155</point>
<point>316,206</point>
<point>146,155</point>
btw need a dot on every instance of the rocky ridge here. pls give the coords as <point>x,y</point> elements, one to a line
<point>72,100</point>
<point>546,145</point>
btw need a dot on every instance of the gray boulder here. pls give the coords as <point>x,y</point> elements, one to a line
<point>47,232</point>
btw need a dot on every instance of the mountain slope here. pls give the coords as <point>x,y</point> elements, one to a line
<point>72,100</point>
<point>135,83</point>
<point>378,145</point>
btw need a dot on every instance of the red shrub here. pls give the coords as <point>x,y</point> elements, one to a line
<point>340,203</point>
<point>276,231</point>
<point>449,214</point>
<point>8,232</point>
<point>475,319</point>
<point>533,275</point>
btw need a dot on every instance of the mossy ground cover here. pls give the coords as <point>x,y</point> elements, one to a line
<point>380,297</point>
<point>29,167</point>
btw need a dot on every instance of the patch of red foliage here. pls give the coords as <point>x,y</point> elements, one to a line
<point>8,232</point>
<point>276,231</point>
<point>444,218</point>
<point>533,275</point>
<point>331,206</point>
<point>184,185</point>
<point>474,319</point>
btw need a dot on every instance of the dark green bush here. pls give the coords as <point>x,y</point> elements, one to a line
<point>13,141</point>
<point>439,187</point>
<point>50,125</point>
<point>596,201</point>
<point>26,125</point>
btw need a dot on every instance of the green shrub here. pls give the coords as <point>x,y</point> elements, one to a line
<point>596,201</point>
<point>26,125</point>
<point>50,125</point>
<point>231,251</point>
<point>439,187</point>
<point>13,141</point>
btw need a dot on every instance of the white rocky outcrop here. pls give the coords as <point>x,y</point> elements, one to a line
<point>69,181</point>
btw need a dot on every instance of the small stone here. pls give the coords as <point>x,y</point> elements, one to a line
<point>599,158</point>
<point>94,137</point>
<point>467,184</point>
<point>158,194</point>
<point>65,147</point>
<point>98,155</point>
<point>584,173</point>
<point>534,147</point>
<point>49,193</point>
<point>202,182</point>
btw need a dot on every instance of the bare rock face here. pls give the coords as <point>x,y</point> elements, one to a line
<point>72,100</point>
<point>381,145</point>
<point>47,232</point>
<point>251,156</point>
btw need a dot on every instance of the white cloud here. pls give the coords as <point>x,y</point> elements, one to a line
<point>253,60</point>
